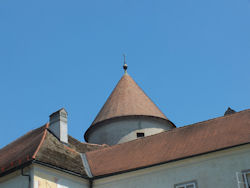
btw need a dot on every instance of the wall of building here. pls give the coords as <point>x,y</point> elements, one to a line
<point>18,181</point>
<point>124,130</point>
<point>48,177</point>
<point>15,180</point>
<point>216,170</point>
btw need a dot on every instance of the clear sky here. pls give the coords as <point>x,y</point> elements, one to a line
<point>192,57</point>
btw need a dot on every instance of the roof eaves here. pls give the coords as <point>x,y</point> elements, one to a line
<point>103,122</point>
<point>60,169</point>
<point>164,162</point>
<point>4,173</point>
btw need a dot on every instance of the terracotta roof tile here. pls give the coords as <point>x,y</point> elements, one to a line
<point>41,145</point>
<point>21,150</point>
<point>55,153</point>
<point>127,99</point>
<point>83,147</point>
<point>199,138</point>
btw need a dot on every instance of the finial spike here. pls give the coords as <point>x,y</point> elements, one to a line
<point>125,66</point>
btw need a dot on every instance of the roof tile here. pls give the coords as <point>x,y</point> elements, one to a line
<point>41,145</point>
<point>128,99</point>
<point>199,138</point>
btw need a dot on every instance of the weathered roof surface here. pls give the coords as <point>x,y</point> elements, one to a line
<point>128,99</point>
<point>21,150</point>
<point>179,143</point>
<point>200,138</point>
<point>83,147</point>
<point>41,145</point>
<point>55,153</point>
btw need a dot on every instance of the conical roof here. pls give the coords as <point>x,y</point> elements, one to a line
<point>128,99</point>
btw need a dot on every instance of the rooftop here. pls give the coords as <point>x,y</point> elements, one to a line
<point>176,144</point>
<point>127,99</point>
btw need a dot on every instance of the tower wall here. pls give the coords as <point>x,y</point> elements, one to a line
<point>126,129</point>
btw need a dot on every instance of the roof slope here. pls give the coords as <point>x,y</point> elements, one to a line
<point>56,153</point>
<point>42,146</point>
<point>21,150</point>
<point>127,99</point>
<point>200,138</point>
<point>179,143</point>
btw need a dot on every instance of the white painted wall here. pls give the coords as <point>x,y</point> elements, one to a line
<point>15,180</point>
<point>124,130</point>
<point>59,125</point>
<point>48,177</point>
<point>214,170</point>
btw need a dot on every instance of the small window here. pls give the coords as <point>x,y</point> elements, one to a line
<point>140,135</point>
<point>246,176</point>
<point>186,185</point>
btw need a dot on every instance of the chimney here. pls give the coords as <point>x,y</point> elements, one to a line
<point>58,124</point>
<point>229,111</point>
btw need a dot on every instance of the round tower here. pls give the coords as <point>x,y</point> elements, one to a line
<point>128,114</point>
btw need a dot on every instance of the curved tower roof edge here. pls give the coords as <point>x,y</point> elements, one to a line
<point>126,100</point>
<point>92,127</point>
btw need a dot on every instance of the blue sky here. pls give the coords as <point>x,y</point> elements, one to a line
<point>192,57</point>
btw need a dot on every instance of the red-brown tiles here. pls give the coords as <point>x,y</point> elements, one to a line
<point>199,138</point>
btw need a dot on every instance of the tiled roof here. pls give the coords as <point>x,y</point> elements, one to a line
<point>127,99</point>
<point>41,145</point>
<point>179,143</point>
<point>22,150</point>
<point>175,144</point>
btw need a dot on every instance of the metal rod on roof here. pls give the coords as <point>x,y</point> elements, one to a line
<point>125,66</point>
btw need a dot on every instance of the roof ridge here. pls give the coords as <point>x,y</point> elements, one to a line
<point>196,139</point>
<point>20,137</point>
<point>42,140</point>
<point>197,123</point>
<point>220,117</point>
<point>167,131</point>
<point>91,144</point>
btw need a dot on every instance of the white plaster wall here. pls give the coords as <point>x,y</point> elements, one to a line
<point>14,180</point>
<point>214,170</point>
<point>49,177</point>
<point>60,129</point>
<point>124,130</point>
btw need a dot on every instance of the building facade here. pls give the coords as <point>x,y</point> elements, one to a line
<point>131,144</point>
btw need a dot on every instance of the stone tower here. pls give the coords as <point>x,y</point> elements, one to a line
<point>128,114</point>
